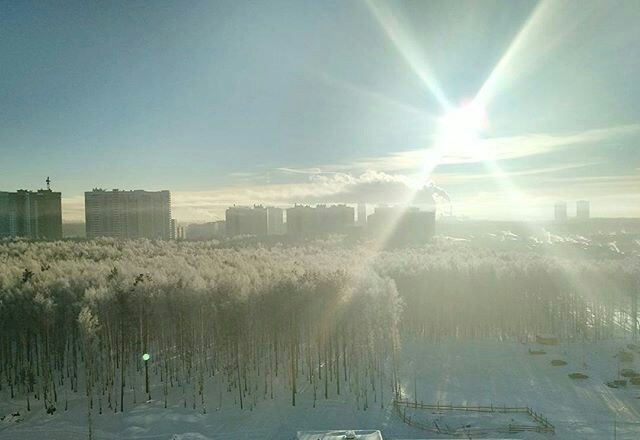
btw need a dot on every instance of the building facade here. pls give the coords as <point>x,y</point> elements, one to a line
<point>173,229</point>
<point>560,212</point>
<point>31,214</point>
<point>246,220</point>
<point>205,231</point>
<point>275,221</point>
<point>254,220</point>
<point>400,226</point>
<point>306,220</point>
<point>7,214</point>
<point>362,214</point>
<point>300,220</point>
<point>128,214</point>
<point>583,209</point>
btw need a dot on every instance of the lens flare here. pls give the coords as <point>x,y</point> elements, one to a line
<point>459,133</point>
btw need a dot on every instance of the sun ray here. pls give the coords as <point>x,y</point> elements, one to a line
<point>375,96</point>
<point>544,30</point>
<point>459,129</point>
<point>408,48</point>
<point>500,73</point>
<point>516,201</point>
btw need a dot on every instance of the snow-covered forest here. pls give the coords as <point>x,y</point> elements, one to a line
<point>462,292</point>
<point>125,322</point>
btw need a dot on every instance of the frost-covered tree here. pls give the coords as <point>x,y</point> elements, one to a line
<point>261,323</point>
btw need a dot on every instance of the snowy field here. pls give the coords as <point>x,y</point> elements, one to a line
<point>483,373</point>
<point>473,373</point>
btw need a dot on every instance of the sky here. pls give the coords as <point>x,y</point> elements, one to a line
<point>286,102</point>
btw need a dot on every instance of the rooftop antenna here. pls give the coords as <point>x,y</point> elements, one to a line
<point>48,183</point>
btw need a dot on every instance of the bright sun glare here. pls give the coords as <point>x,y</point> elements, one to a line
<point>459,132</point>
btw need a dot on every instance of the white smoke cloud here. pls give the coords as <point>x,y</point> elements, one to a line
<point>438,192</point>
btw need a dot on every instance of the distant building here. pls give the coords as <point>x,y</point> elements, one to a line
<point>362,214</point>
<point>300,220</point>
<point>31,214</point>
<point>402,226</point>
<point>560,211</point>
<point>8,214</point>
<point>254,220</point>
<point>583,209</point>
<point>323,219</point>
<point>246,220</point>
<point>128,214</point>
<point>205,231</point>
<point>336,218</point>
<point>275,221</point>
<point>173,229</point>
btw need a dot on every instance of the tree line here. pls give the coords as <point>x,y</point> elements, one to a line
<point>126,322</point>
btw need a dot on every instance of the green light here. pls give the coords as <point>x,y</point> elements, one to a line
<point>146,357</point>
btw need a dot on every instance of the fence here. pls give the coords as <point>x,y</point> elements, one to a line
<point>542,424</point>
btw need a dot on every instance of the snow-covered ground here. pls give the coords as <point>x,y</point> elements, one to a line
<point>473,373</point>
<point>484,373</point>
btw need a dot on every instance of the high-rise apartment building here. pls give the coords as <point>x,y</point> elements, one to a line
<point>362,214</point>
<point>254,220</point>
<point>301,220</point>
<point>583,209</point>
<point>128,214</point>
<point>173,229</point>
<point>7,214</point>
<point>246,220</point>
<point>31,214</point>
<point>560,211</point>
<point>323,219</point>
<point>402,226</point>
<point>275,221</point>
<point>206,231</point>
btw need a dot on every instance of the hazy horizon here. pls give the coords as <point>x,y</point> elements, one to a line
<point>333,102</point>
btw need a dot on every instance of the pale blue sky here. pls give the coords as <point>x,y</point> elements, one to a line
<point>280,101</point>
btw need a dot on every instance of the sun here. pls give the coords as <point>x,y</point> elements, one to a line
<point>459,132</point>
